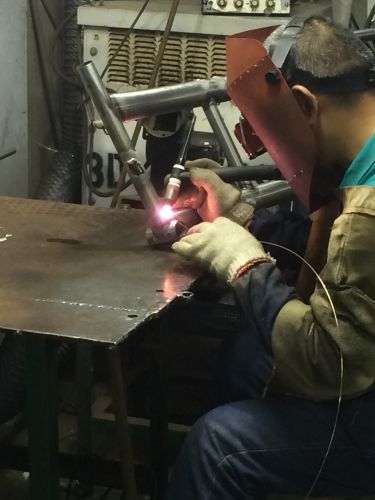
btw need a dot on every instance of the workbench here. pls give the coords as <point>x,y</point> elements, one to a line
<point>86,275</point>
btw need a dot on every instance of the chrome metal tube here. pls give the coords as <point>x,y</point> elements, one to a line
<point>138,105</point>
<point>366,34</point>
<point>113,124</point>
<point>270,194</point>
<point>222,134</point>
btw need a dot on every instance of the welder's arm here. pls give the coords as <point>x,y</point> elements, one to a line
<point>349,277</point>
<point>211,196</point>
<point>304,338</point>
<point>306,342</point>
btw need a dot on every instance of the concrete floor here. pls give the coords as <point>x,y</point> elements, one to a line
<point>14,485</point>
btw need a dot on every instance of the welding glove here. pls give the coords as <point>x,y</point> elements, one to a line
<point>215,197</point>
<point>223,247</point>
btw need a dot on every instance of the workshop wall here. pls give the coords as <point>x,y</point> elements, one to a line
<point>13,96</point>
<point>24,121</point>
<point>41,136</point>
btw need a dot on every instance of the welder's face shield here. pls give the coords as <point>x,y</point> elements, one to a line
<point>273,120</point>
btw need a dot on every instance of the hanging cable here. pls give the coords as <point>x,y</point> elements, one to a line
<point>49,14</point>
<point>49,100</point>
<point>126,36</point>
<point>73,81</point>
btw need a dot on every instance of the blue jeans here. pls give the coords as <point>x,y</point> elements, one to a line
<point>249,447</point>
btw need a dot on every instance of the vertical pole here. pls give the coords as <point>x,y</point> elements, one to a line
<point>119,397</point>
<point>222,134</point>
<point>42,416</point>
<point>84,421</point>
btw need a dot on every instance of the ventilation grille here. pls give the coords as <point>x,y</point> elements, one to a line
<point>186,58</point>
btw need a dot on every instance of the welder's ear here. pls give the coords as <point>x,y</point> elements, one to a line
<point>307,102</point>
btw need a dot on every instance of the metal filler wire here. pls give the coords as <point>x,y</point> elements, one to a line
<point>329,446</point>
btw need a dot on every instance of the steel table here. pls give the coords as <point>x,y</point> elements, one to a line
<point>73,272</point>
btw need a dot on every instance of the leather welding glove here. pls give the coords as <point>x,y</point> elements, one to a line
<point>215,197</point>
<point>223,247</point>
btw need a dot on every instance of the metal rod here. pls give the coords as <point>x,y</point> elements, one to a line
<point>11,152</point>
<point>244,173</point>
<point>121,416</point>
<point>365,34</point>
<point>270,194</point>
<point>222,134</point>
<point>120,138</point>
<point>158,101</point>
<point>185,146</point>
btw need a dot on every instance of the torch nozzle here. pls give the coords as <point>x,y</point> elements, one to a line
<point>174,183</point>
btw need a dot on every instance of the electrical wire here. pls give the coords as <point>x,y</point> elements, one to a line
<point>59,30</point>
<point>49,14</point>
<point>126,36</point>
<point>44,73</point>
<point>339,400</point>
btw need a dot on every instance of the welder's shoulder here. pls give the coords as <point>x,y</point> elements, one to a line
<point>351,250</point>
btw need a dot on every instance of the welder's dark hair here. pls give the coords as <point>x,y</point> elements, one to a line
<point>324,49</point>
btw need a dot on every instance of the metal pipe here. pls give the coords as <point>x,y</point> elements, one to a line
<point>138,105</point>
<point>270,194</point>
<point>11,152</point>
<point>120,138</point>
<point>244,173</point>
<point>365,34</point>
<point>222,134</point>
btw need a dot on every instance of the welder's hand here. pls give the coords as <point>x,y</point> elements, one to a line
<point>214,197</point>
<point>223,247</point>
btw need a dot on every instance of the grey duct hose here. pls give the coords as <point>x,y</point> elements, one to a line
<point>62,182</point>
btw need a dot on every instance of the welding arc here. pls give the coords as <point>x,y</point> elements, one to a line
<point>329,446</point>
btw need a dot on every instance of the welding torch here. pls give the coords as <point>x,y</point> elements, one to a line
<point>174,182</point>
<point>227,174</point>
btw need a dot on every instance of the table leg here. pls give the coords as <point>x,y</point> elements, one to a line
<point>42,417</point>
<point>119,398</point>
<point>84,417</point>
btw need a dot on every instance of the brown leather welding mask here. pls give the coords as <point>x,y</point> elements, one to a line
<point>273,120</point>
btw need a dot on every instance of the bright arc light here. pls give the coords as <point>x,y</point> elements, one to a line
<point>166,212</point>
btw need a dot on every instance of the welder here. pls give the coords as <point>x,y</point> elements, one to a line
<point>283,428</point>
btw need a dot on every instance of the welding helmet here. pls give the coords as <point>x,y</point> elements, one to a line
<point>259,85</point>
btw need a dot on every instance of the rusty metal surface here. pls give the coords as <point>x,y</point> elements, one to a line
<point>81,272</point>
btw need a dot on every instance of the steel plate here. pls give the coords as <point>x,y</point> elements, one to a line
<point>81,272</point>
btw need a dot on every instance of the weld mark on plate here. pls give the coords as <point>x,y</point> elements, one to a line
<point>85,304</point>
<point>4,236</point>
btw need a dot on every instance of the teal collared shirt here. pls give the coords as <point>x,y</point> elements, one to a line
<point>361,172</point>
